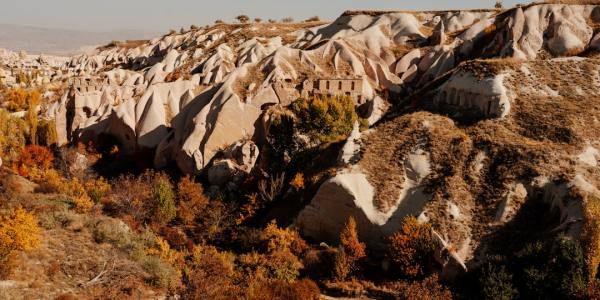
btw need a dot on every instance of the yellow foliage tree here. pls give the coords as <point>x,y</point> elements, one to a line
<point>591,235</point>
<point>19,231</point>
<point>33,100</point>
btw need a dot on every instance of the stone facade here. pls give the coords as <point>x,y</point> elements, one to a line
<point>351,87</point>
<point>87,84</point>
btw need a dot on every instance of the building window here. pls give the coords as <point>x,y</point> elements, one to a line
<point>340,85</point>
<point>353,85</point>
<point>327,85</point>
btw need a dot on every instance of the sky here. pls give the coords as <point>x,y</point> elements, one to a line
<point>161,15</point>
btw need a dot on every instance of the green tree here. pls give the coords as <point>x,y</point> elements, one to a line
<point>164,198</point>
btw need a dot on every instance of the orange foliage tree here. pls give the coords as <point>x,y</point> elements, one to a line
<point>350,251</point>
<point>191,200</point>
<point>36,158</point>
<point>410,248</point>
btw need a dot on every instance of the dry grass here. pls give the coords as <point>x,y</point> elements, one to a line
<point>541,136</point>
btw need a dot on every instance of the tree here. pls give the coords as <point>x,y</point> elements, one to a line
<point>411,248</point>
<point>191,200</point>
<point>19,231</point>
<point>313,19</point>
<point>496,283</point>
<point>257,20</point>
<point>350,251</point>
<point>164,199</point>
<point>499,5</point>
<point>287,20</point>
<point>243,19</point>
<point>219,21</point>
<point>33,100</point>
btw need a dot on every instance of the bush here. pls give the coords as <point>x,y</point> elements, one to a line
<point>298,182</point>
<point>97,189</point>
<point>351,250</point>
<point>17,99</point>
<point>33,160</point>
<point>211,275</point>
<point>428,289</point>
<point>496,283</point>
<point>550,269</point>
<point>191,200</point>
<point>46,134</point>
<point>164,198</point>
<point>131,196</point>
<point>411,248</point>
<point>19,231</point>
<point>287,20</point>
<point>591,235</point>
<point>325,119</point>
<point>304,289</point>
<point>13,133</point>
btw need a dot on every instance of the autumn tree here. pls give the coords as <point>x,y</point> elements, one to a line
<point>411,247</point>
<point>191,200</point>
<point>19,231</point>
<point>350,251</point>
<point>33,100</point>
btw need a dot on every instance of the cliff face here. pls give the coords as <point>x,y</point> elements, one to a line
<point>490,110</point>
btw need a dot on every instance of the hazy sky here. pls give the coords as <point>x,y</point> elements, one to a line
<point>160,15</point>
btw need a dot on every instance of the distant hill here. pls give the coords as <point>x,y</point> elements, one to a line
<point>37,40</point>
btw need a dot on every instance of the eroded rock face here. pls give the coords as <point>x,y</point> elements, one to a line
<point>232,82</point>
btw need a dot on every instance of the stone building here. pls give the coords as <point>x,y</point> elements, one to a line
<point>352,87</point>
<point>87,84</point>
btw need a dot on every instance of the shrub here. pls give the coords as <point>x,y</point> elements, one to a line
<point>46,134</point>
<point>298,182</point>
<point>257,20</point>
<point>304,289</point>
<point>161,273</point>
<point>591,235</point>
<point>427,289</point>
<point>163,250</point>
<point>287,20</point>
<point>219,21</point>
<point>411,248</point>
<point>131,196</point>
<point>164,198</point>
<point>191,200</point>
<point>12,137</point>
<point>351,250</point>
<point>496,283</point>
<point>17,99</point>
<point>97,189</point>
<point>283,239</point>
<point>325,119</point>
<point>211,275</point>
<point>34,159</point>
<point>550,269</point>
<point>19,231</point>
